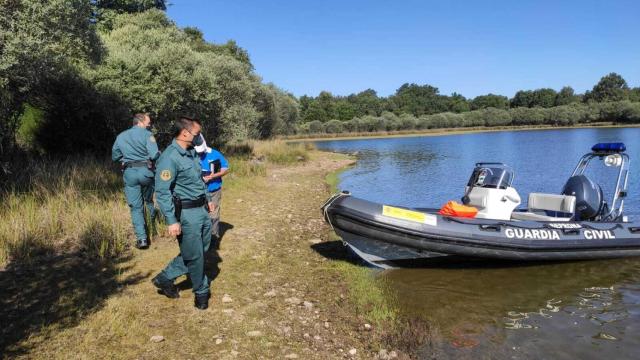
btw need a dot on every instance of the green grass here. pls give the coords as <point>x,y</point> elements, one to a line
<point>368,294</point>
<point>281,152</point>
<point>56,205</point>
<point>53,206</point>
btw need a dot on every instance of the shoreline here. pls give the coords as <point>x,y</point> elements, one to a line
<point>451,131</point>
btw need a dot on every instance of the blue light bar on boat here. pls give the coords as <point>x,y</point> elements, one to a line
<point>608,148</point>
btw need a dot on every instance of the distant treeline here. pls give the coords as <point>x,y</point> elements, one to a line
<point>422,107</point>
<point>565,115</point>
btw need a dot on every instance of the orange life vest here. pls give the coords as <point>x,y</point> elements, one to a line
<point>453,208</point>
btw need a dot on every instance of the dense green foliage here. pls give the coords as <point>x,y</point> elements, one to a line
<point>564,115</point>
<point>88,65</point>
<point>72,72</point>
<point>420,100</point>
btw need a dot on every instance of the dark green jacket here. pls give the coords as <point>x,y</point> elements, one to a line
<point>135,144</point>
<point>177,171</point>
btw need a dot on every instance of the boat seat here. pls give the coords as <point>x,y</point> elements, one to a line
<point>540,204</point>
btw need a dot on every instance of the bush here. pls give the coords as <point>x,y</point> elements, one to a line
<point>631,112</point>
<point>350,125</point>
<point>453,120</point>
<point>437,121</point>
<point>153,66</point>
<point>526,116</point>
<point>562,115</point>
<point>315,127</point>
<point>407,122</point>
<point>333,127</point>
<point>372,123</point>
<point>473,118</point>
<point>495,117</point>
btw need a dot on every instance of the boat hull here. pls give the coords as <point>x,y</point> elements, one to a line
<point>405,234</point>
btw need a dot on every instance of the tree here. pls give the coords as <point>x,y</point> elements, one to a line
<point>490,100</point>
<point>153,66</point>
<point>326,102</point>
<point>565,96</point>
<point>418,100</point>
<point>366,103</point>
<point>40,41</point>
<point>523,98</point>
<point>611,87</point>
<point>129,6</point>
<point>105,11</point>
<point>545,98</point>
<point>344,110</point>
<point>458,103</point>
<point>634,94</point>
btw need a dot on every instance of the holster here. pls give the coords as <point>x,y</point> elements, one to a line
<point>177,206</point>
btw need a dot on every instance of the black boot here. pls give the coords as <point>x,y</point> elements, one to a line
<point>202,301</point>
<point>165,287</point>
<point>142,244</point>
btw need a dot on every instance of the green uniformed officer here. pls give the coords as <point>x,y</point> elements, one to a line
<point>181,195</point>
<point>136,149</point>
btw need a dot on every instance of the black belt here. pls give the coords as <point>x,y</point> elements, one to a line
<point>190,204</point>
<point>141,163</point>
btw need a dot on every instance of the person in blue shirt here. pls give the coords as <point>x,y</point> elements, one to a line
<point>214,167</point>
<point>136,150</point>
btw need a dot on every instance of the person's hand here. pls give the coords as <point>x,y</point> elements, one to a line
<point>212,207</point>
<point>208,178</point>
<point>175,229</point>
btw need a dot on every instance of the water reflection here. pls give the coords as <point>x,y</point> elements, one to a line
<point>503,308</point>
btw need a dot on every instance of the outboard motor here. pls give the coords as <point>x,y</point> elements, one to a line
<point>589,198</point>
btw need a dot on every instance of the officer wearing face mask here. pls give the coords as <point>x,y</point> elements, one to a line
<point>181,195</point>
<point>136,150</point>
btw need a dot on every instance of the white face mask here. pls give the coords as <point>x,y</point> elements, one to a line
<point>202,148</point>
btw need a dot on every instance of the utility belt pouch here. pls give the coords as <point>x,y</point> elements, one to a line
<point>177,206</point>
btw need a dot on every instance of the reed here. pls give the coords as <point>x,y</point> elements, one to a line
<point>282,153</point>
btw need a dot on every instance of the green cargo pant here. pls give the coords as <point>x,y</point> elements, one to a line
<point>194,243</point>
<point>138,189</point>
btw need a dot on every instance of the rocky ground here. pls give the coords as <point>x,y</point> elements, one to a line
<point>276,293</point>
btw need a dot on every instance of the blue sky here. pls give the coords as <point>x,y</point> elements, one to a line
<point>470,47</point>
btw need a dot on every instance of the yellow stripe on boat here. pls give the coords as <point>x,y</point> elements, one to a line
<point>409,215</point>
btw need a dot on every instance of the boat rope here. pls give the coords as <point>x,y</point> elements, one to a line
<point>328,203</point>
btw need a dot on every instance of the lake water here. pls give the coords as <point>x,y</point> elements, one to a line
<point>588,309</point>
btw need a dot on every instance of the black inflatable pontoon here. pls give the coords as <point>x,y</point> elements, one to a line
<point>577,224</point>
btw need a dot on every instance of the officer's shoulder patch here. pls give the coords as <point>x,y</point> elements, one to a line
<point>165,175</point>
<point>152,138</point>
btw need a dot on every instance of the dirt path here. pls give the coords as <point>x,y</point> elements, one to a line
<point>275,294</point>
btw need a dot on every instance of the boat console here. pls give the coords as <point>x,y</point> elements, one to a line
<point>489,189</point>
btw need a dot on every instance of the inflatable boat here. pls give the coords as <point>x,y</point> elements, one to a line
<point>578,223</point>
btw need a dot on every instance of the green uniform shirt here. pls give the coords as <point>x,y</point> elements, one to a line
<point>177,171</point>
<point>135,144</point>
